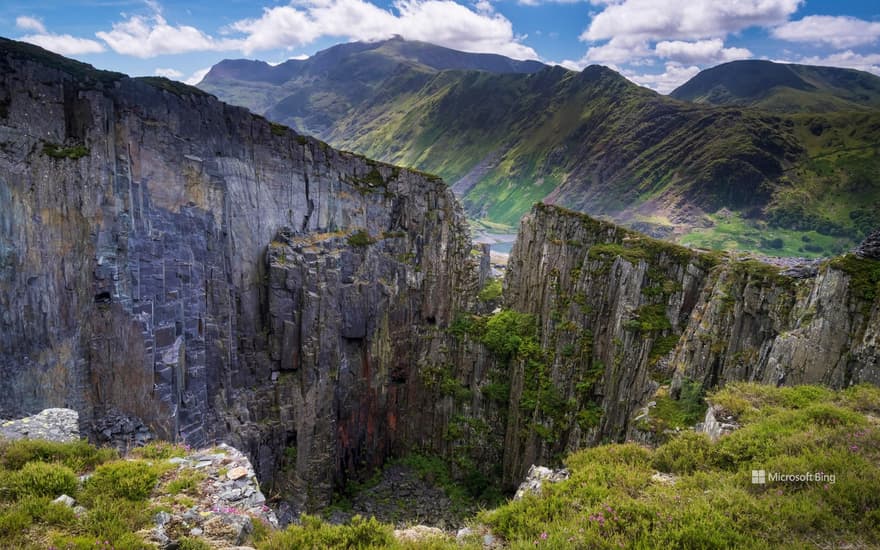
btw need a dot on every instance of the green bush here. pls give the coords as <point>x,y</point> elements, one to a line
<point>77,455</point>
<point>45,480</point>
<point>360,239</point>
<point>491,291</point>
<point>159,450</point>
<point>612,501</point>
<point>128,479</point>
<point>187,481</point>
<point>116,520</point>
<point>12,522</point>
<point>685,453</point>
<point>509,333</point>
<point>314,534</point>
<point>42,509</point>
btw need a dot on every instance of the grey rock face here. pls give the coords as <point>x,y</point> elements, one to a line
<point>137,276</point>
<point>626,312</point>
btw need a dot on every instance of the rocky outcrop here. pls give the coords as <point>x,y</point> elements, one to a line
<point>228,500</point>
<point>621,313</point>
<point>50,424</point>
<point>870,247</point>
<point>189,264</point>
<point>537,477</point>
<point>717,423</point>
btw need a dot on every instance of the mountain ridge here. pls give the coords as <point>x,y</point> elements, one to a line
<point>594,141</point>
<point>782,87</point>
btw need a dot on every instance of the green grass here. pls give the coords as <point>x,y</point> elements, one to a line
<point>491,291</point>
<point>864,277</point>
<point>34,472</point>
<point>733,232</point>
<point>611,500</point>
<point>56,151</point>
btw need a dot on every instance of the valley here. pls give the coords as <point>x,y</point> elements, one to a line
<point>793,152</point>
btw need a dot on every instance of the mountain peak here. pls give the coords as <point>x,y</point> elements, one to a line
<point>395,50</point>
<point>782,87</point>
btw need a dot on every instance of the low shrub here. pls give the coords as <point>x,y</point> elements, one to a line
<point>314,534</point>
<point>128,479</point>
<point>43,479</point>
<point>79,455</point>
<point>683,454</point>
<point>159,450</point>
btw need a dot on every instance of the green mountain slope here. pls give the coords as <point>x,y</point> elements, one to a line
<point>506,136</point>
<point>781,87</point>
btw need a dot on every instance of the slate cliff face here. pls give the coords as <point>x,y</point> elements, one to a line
<point>625,313</point>
<point>189,263</point>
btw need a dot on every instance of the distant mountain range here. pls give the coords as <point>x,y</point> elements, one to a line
<point>751,154</point>
<point>782,87</point>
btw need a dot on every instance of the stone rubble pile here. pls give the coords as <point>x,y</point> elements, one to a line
<point>121,431</point>
<point>870,247</point>
<point>402,498</point>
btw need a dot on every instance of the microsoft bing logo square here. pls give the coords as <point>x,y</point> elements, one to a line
<point>759,477</point>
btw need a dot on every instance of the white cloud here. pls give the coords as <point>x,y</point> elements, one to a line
<point>620,49</point>
<point>442,22</point>
<point>173,74</point>
<point>27,23</point>
<point>149,36</point>
<point>541,2</point>
<point>848,59</point>
<point>701,51</point>
<point>685,20</point>
<point>838,31</point>
<point>674,75</point>
<point>63,44</point>
<point>300,57</point>
<point>197,76</point>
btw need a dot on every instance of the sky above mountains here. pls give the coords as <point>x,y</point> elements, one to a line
<point>656,43</point>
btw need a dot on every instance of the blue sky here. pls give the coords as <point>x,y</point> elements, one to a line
<point>657,43</point>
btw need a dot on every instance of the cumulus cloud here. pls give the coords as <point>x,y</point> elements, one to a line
<point>442,22</point>
<point>691,20</point>
<point>27,23</point>
<point>847,59</point>
<point>197,76</point>
<point>674,75</point>
<point>701,51</point>
<point>838,31</point>
<point>149,36</point>
<point>173,74</point>
<point>63,44</point>
<point>620,49</point>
